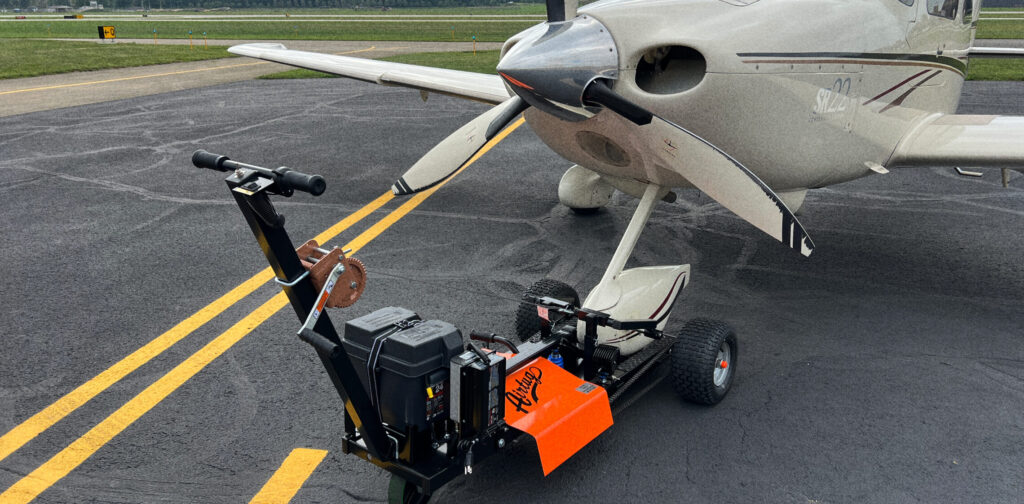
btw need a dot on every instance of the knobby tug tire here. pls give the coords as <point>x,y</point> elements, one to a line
<point>698,375</point>
<point>527,320</point>
<point>401,491</point>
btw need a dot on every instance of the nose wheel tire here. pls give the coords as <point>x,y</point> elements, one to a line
<point>704,361</point>
<point>401,491</point>
<point>527,320</point>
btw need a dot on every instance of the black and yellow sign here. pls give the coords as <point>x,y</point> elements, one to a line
<point>106,32</point>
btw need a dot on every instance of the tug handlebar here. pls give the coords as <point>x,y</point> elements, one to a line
<point>285,178</point>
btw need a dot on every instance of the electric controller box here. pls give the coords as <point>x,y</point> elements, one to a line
<point>402,362</point>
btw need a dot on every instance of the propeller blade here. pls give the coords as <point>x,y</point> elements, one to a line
<point>709,169</point>
<point>446,157</point>
<point>561,10</point>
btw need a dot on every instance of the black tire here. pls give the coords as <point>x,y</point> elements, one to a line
<point>695,358</point>
<point>585,211</point>
<point>401,491</point>
<point>527,320</point>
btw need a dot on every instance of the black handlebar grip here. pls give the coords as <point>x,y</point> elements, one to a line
<point>313,184</point>
<point>203,159</point>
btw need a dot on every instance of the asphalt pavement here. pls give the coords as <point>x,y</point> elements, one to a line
<point>888,367</point>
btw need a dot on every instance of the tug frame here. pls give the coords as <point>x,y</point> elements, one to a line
<point>457,444</point>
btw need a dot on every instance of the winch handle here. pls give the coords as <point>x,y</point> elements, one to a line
<point>286,178</point>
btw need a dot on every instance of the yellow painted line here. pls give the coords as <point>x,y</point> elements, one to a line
<point>29,487</point>
<point>368,49</point>
<point>36,424</point>
<point>288,478</point>
<point>149,76</point>
<point>33,484</point>
<point>351,220</point>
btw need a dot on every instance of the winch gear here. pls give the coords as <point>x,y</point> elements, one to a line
<point>350,284</point>
<point>319,262</point>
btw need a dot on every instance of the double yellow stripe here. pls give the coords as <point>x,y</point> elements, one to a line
<point>36,424</point>
<point>68,459</point>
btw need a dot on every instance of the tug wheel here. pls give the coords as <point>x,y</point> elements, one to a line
<point>527,320</point>
<point>704,361</point>
<point>401,491</point>
<point>585,211</point>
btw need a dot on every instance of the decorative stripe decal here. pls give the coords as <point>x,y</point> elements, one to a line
<point>632,334</point>
<point>514,82</point>
<point>899,100</point>
<point>887,91</point>
<point>670,290</point>
<point>402,187</point>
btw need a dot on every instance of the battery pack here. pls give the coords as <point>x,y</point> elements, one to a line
<point>478,392</point>
<point>402,362</point>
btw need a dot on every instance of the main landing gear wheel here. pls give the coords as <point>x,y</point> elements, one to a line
<point>704,361</point>
<point>527,320</point>
<point>401,491</point>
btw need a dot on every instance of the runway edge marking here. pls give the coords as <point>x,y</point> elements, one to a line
<point>53,470</point>
<point>36,424</point>
<point>289,478</point>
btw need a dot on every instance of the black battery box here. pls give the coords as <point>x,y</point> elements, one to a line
<point>402,362</point>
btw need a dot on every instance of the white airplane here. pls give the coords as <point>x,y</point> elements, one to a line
<point>752,102</point>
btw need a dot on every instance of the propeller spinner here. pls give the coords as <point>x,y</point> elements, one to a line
<point>553,63</point>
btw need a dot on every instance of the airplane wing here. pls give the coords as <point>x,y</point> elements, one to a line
<point>996,52</point>
<point>963,140</point>
<point>474,86</point>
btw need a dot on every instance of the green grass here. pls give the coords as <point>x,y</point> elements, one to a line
<point>29,58</point>
<point>481,62</point>
<point>996,69</point>
<point>437,31</point>
<point>1000,29</point>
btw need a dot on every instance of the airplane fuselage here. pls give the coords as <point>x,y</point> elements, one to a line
<point>805,93</point>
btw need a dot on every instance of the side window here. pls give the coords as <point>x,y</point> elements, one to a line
<point>942,8</point>
<point>968,11</point>
<point>907,2</point>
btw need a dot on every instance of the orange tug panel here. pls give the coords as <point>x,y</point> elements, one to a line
<point>562,412</point>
